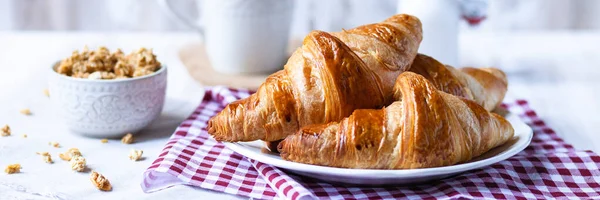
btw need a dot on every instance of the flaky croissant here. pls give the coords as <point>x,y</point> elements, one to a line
<point>485,86</point>
<point>326,79</point>
<point>424,128</point>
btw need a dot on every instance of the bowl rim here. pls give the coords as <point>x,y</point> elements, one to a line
<point>162,69</point>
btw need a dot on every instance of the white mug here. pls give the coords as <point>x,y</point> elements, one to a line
<point>440,20</point>
<point>242,36</point>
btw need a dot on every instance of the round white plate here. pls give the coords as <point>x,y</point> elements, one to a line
<point>255,150</point>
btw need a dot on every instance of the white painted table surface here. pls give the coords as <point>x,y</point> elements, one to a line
<point>25,59</point>
<point>557,72</point>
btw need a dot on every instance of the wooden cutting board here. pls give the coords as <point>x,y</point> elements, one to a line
<point>195,60</point>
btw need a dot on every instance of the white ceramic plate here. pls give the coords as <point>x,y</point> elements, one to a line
<point>520,140</point>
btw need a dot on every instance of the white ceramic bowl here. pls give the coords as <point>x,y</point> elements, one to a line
<point>108,108</point>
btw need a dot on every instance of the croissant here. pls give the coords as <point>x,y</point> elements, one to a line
<point>485,86</point>
<point>326,79</point>
<point>424,128</point>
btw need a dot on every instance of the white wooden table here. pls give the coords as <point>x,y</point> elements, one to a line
<point>25,60</point>
<point>556,72</point>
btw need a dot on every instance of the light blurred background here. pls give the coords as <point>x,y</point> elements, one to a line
<point>146,15</point>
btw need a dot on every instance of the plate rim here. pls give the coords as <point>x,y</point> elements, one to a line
<point>520,145</point>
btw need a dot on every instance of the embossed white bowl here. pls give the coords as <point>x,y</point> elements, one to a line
<point>108,108</point>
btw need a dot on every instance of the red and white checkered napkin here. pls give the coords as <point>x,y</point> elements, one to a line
<point>548,168</point>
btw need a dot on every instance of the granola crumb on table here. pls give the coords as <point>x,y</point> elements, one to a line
<point>54,144</point>
<point>78,163</point>
<point>72,152</point>
<point>135,154</point>
<point>104,140</point>
<point>100,181</point>
<point>127,139</point>
<point>64,156</point>
<point>13,168</point>
<point>5,130</point>
<point>46,156</point>
<point>47,92</point>
<point>25,111</point>
<point>24,135</point>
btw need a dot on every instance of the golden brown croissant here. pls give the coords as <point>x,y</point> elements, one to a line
<point>486,86</point>
<point>424,128</point>
<point>326,79</point>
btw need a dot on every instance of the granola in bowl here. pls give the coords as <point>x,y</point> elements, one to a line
<point>106,94</point>
<point>102,64</point>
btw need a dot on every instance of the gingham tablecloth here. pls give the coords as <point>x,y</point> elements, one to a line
<point>548,168</point>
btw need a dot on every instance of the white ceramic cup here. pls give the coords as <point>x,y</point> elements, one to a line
<point>440,27</point>
<point>242,36</point>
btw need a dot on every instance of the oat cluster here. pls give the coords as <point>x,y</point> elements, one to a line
<point>46,157</point>
<point>77,163</point>
<point>14,168</point>
<point>102,64</point>
<point>25,111</point>
<point>76,160</point>
<point>100,181</point>
<point>54,144</point>
<point>5,130</point>
<point>69,154</point>
<point>135,154</point>
<point>127,139</point>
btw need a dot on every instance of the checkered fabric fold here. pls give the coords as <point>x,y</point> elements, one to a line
<point>548,168</point>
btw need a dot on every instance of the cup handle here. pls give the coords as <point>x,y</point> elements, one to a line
<point>166,6</point>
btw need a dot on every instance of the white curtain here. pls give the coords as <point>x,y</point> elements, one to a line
<point>330,15</point>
